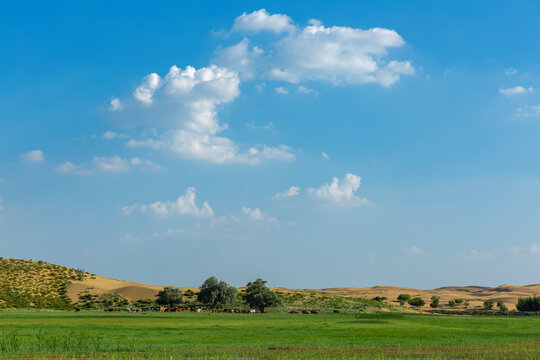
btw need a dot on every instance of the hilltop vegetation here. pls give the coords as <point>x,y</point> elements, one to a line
<point>36,284</point>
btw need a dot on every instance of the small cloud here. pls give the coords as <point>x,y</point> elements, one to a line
<point>535,249</point>
<point>129,238</point>
<point>515,90</point>
<point>325,155</point>
<point>218,221</point>
<point>112,164</point>
<point>510,71</point>
<point>256,215</point>
<point>341,192</point>
<point>304,90</point>
<point>109,135</point>
<point>127,210</point>
<point>516,250</point>
<point>281,90</point>
<point>33,157</point>
<point>260,86</point>
<point>184,205</point>
<point>116,104</point>
<point>527,111</point>
<point>413,250</point>
<point>291,192</point>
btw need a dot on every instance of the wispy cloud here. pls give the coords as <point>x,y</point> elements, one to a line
<point>33,157</point>
<point>112,164</point>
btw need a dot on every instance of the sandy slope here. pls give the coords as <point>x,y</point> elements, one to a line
<point>100,285</point>
<point>474,294</point>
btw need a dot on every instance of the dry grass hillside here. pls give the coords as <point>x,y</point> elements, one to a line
<point>27,283</point>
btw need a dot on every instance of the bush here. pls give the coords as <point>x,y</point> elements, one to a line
<point>416,302</point>
<point>458,301</point>
<point>532,303</point>
<point>488,304</point>
<point>452,303</point>
<point>502,306</point>
<point>380,298</point>
<point>435,301</point>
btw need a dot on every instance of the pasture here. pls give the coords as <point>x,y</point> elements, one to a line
<point>61,334</point>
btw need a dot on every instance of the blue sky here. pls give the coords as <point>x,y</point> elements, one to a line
<point>312,145</point>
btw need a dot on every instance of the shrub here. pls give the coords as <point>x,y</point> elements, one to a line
<point>435,301</point>
<point>488,304</point>
<point>416,302</point>
<point>405,297</point>
<point>452,303</point>
<point>380,298</point>
<point>458,301</point>
<point>502,306</point>
<point>531,303</point>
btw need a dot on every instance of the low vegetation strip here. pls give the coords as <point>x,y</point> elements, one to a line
<point>92,334</point>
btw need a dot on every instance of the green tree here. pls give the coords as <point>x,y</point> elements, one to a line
<point>258,296</point>
<point>488,304</point>
<point>215,293</point>
<point>403,298</point>
<point>502,306</point>
<point>451,303</point>
<point>531,303</point>
<point>435,301</point>
<point>416,302</point>
<point>169,296</point>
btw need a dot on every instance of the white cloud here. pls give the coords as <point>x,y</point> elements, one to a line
<point>184,205</point>
<point>304,90</point>
<point>281,90</point>
<point>413,250</point>
<point>109,135</point>
<point>528,111</point>
<point>242,58</point>
<point>325,155</point>
<point>340,192</point>
<point>34,157</point>
<point>515,90</point>
<point>261,20</point>
<point>116,104</point>
<point>510,71</point>
<point>290,192</point>
<point>128,210</point>
<point>112,164</point>
<point>185,103</point>
<point>516,250</point>
<point>315,52</point>
<point>535,248</point>
<point>254,215</point>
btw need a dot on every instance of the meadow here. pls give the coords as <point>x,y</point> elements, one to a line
<point>46,334</point>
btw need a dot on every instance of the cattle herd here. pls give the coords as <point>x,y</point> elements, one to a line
<point>200,309</point>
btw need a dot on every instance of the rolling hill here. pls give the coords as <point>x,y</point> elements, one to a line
<point>38,284</point>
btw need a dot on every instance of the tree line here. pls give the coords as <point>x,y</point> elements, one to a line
<point>217,294</point>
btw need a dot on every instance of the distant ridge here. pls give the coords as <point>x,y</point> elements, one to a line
<point>38,284</point>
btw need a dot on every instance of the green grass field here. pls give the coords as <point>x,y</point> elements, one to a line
<point>57,334</point>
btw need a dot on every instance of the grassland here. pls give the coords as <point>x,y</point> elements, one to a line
<point>92,334</point>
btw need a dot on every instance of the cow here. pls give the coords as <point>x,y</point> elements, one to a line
<point>305,312</point>
<point>336,311</point>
